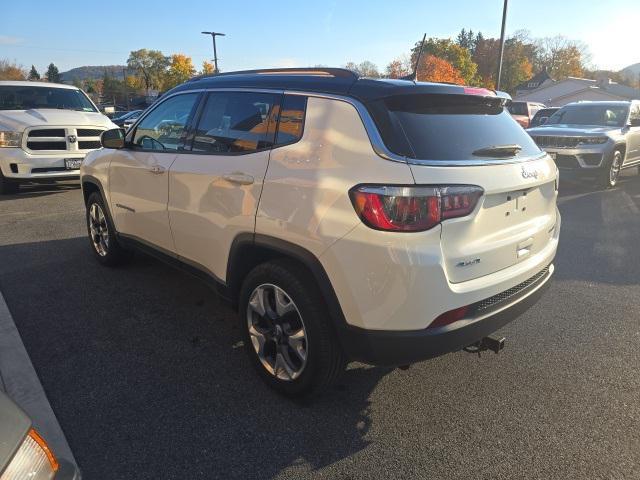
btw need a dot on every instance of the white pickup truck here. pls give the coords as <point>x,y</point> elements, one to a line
<point>46,129</point>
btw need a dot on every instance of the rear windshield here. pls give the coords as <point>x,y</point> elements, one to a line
<point>30,97</point>
<point>590,114</point>
<point>448,127</point>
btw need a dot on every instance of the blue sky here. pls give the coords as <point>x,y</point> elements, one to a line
<point>296,33</point>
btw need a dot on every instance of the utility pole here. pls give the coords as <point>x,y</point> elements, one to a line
<point>501,53</point>
<point>124,83</point>
<point>215,52</point>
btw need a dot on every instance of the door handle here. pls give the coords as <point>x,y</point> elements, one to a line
<point>239,178</point>
<point>157,169</point>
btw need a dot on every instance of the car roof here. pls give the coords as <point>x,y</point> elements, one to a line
<point>27,83</point>
<point>336,81</point>
<point>613,103</point>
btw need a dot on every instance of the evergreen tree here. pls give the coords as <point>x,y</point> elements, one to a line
<point>53,75</point>
<point>33,74</point>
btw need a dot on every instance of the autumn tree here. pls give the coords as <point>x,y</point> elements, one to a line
<point>181,69</point>
<point>33,74</point>
<point>207,68</point>
<point>517,65</point>
<point>53,75</point>
<point>562,57</point>
<point>434,69</point>
<point>398,68</point>
<point>151,65</point>
<point>364,69</point>
<point>11,71</point>
<point>446,49</point>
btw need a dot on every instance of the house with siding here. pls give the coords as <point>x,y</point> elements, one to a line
<point>558,93</point>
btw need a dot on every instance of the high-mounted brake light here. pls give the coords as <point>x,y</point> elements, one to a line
<point>484,92</point>
<point>412,209</point>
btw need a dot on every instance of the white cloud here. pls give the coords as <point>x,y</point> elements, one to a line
<point>8,40</point>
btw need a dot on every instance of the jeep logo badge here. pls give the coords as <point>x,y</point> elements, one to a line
<point>72,138</point>
<point>529,173</point>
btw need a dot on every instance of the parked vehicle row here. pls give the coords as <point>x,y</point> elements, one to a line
<point>523,112</point>
<point>335,213</point>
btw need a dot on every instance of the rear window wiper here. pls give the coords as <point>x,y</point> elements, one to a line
<point>498,151</point>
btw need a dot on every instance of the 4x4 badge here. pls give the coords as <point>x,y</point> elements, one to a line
<point>529,173</point>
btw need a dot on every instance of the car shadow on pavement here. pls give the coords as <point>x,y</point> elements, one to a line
<point>146,373</point>
<point>600,232</point>
<point>40,190</point>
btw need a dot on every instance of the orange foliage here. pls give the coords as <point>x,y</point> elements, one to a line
<point>434,69</point>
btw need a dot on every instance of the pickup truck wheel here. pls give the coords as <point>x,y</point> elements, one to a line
<point>7,187</point>
<point>286,330</point>
<point>101,233</point>
<point>610,173</point>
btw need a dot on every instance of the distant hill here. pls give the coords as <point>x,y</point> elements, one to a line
<point>632,72</point>
<point>93,72</point>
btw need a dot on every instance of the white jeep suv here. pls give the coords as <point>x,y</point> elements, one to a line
<point>346,218</point>
<point>46,129</point>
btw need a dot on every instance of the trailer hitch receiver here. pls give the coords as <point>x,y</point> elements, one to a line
<point>495,344</point>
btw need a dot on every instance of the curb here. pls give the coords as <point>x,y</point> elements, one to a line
<point>19,380</point>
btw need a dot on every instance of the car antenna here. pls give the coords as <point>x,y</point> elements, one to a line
<point>413,76</point>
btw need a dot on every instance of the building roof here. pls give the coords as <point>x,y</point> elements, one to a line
<point>335,81</point>
<point>535,81</point>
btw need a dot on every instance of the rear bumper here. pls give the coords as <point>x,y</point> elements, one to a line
<point>393,348</point>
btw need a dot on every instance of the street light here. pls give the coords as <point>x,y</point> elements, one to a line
<point>215,53</point>
<point>501,53</point>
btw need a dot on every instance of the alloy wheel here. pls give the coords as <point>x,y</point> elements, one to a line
<point>277,332</point>
<point>614,171</point>
<point>99,230</point>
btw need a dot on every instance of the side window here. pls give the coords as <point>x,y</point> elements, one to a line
<point>164,127</point>
<point>236,122</point>
<point>291,124</point>
<point>635,112</point>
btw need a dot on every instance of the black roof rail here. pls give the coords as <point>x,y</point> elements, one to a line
<point>305,71</point>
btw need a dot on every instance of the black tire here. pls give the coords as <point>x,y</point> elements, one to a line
<point>7,187</point>
<point>101,233</point>
<point>608,177</point>
<point>325,360</point>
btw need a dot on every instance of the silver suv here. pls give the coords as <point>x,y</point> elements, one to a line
<point>593,139</point>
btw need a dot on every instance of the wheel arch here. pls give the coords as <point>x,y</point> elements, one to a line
<point>90,185</point>
<point>250,250</point>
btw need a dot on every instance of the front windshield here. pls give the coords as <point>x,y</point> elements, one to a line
<point>29,97</point>
<point>591,114</point>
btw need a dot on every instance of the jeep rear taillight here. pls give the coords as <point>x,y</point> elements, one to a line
<point>412,208</point>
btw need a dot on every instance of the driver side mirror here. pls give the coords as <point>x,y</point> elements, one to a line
<point>113,138</point>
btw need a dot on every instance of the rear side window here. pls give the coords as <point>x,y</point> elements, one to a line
<point>291,124</point>
<point>448,127</point>
<point>236,122</point>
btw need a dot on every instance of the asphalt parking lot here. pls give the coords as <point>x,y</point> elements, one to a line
<point>144,370</point>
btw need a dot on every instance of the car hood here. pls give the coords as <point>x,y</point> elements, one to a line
<point>571,130</point>
<point>18,120</point>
